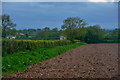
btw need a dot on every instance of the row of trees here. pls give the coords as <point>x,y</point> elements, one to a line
<point>75,28</point>
<point>42,34</point>
<point>72,28</point>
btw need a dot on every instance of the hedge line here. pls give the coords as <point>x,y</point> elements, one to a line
<point>12,46</point>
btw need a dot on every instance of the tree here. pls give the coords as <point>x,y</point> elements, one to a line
<point>81,33</point>
<point>12,32</point>
<point>70,26</point>
<point>55,29</point>
<point>94,34</point>
<point>114,35</point>
<point>46,29</point>
<point>40,34</point>
<point>7,24</point>
<point>119,34</point>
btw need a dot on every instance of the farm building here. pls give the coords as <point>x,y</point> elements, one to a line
<point>11,37</point>
<point>21,34</point>
<point>63,38</point>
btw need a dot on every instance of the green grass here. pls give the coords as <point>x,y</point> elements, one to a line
<point>21,60</point>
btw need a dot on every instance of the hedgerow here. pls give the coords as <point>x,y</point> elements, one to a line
<point>12,46</point>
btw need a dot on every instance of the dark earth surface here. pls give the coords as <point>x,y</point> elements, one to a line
<point>87,61</point>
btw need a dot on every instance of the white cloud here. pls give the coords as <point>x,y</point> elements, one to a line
<point>59,0</point>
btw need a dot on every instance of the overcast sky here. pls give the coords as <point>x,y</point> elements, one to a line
<point>60,0</point>
<point>51,14</point>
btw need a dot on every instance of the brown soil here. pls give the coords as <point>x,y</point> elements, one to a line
<point>88,61</point>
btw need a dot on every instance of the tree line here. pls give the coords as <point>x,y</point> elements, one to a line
<point>74,28</point>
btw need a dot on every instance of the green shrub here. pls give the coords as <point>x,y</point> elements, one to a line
<point>12,46</point>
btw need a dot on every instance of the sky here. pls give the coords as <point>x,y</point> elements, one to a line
<point>51,14</point>
<point>60,0</point>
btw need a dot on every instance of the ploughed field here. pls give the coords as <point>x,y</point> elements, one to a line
<point>87,61</point>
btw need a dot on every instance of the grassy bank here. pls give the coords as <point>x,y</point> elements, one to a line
<point>21,60</point>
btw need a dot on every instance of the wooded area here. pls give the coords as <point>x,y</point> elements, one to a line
<point>74,28</point>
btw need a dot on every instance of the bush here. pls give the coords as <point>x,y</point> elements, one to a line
<point>12,46</point>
